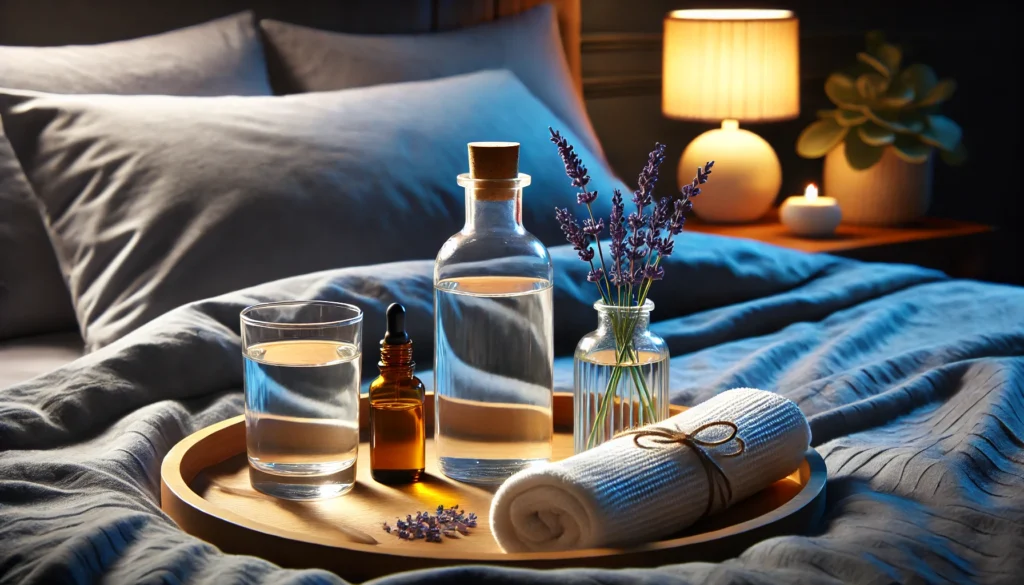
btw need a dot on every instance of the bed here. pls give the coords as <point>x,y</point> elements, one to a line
<point>912,382</point>
<point>24,358</point>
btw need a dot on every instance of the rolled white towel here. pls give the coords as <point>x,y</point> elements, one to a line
<point>619,493</point>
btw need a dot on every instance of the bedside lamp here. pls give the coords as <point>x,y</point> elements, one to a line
<point>732,66</point>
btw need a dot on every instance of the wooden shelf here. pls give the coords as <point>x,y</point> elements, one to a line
<point>847,237</point>
<point>958,248</point>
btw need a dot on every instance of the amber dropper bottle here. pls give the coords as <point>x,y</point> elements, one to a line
<point>397,433</point>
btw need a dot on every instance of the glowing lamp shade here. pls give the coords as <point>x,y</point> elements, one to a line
<point>732,66</point>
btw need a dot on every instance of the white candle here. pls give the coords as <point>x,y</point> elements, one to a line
<point>810,215</point>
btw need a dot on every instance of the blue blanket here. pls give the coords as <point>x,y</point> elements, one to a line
<point>913,384</point>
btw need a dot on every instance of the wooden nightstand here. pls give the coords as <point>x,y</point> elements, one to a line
<point>955,247</point>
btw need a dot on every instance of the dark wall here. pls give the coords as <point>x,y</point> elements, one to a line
<point>977,43</point>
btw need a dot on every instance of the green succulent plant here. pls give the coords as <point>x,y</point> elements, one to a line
<point>880,106</point>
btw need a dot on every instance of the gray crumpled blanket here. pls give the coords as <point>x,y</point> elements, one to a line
<point>913,383</point>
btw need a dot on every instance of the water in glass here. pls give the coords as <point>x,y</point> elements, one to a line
<point>301,413</point>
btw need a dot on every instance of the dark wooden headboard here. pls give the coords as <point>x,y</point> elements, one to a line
<point>66,22</point>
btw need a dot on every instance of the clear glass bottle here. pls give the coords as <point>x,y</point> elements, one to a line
<point>493,363</point>
<point>620,381</point>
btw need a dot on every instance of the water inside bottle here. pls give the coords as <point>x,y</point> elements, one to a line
<point>493,376</point>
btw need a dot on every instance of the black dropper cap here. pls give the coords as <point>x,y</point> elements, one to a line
<point>396,334</point>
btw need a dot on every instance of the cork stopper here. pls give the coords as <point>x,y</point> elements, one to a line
<point>494,161</point>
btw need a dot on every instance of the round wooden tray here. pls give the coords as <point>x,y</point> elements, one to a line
<point>205,489</point>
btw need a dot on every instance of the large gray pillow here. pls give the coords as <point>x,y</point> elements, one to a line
<point>156,201</point>
<point>527,44</point>
<point>221,57</point>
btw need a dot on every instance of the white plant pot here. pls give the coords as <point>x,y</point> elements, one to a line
<point>891,192</point>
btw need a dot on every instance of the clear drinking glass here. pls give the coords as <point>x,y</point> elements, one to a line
<point>302,362</point>
<point>493,375</point>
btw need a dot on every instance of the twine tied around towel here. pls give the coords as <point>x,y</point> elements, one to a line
<point>718,482</point>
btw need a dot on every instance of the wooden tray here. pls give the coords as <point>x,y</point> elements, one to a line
<point>205,489</point>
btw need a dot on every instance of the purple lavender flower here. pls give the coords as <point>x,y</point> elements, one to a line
<point>574,234</point>
<point>684,204</point>
<point>635,245</point>
<point>662,214</point>
<point>593,228</point>
<point>651,239</point>
<point>638,242</point>
<point>682,207</point>
<point>638,276</point>
<point>636,220</point>
<point>573,165</point>
<point>654,272</point>
<point>693,189</point>
<point>617,232</point>
<point>448,522</point>
<point>649,176</point>
<point>666,247</point>
<point>703,177</point>
<point>633,248</point>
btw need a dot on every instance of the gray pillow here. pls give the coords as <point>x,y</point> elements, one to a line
<point>527,44</point>
<point>217,58</point>
<point>155,201</point>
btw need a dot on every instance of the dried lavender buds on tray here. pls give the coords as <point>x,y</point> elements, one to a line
<point>448,522</point>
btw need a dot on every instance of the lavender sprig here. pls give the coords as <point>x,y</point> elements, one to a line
<point>576,171</point>
<point>574,234</point>
<point>617,231</point>
<point>683,205</point>
<point>574,168</point>
<point>638,243</point>
<point>649,176</point>
<point>639,240</point>
<point>643,197</point>
<point>580,240</point>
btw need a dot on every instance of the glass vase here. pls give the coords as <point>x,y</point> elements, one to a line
<point>620,379</point>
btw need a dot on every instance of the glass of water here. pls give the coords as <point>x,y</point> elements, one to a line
<point>302,362</point>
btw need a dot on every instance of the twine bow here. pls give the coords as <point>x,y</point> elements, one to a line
<point>718,483</point>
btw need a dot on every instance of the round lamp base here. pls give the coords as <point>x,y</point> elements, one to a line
<point>747,175</point>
